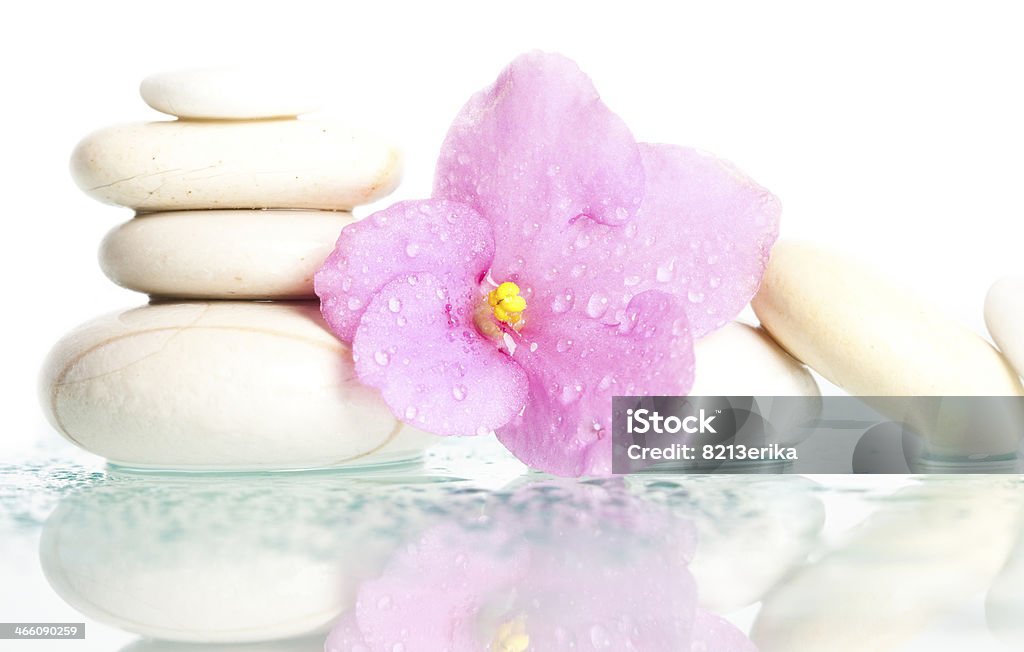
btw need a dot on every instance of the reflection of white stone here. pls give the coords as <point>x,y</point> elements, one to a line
<point>230,93</point>
<point>222,254</point>
<point>221,385</point>
<point>1004,605</point>
<point>1004,316</point>
<point>305,644</point>
<point>166,166</point>
<point>751,531</point>
<point>226,559</point>
<point>934,545</point>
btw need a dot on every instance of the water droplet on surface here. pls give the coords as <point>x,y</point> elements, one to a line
<point>666,271</point>
<point>563,345</point>
<point>533,347</point>
<point>346,283</point>
<point>714,282</point>
<point>459,392</point>
<point>631,281</point>
<point>394,304</point>
<point>412,250</point>
<point>599,637</point>
<point>483,431</point>
<point>354,303</point>
<point>695,297</point>
<point>410,412</point>
<point>382,358</point>
<point>401,321</point>
<point>597,305</point>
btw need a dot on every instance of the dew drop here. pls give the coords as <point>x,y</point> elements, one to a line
<point>394,304</point>
<point>382,358</point>
<point>599,637</point>
<point>577,270</point>
<point>354,303</point>
<point>401,320</point>
<point>459,392</point>
<point>666,271</point>
<point>412,250</point>
<point>346,283</point>
<point>563,345</point>
<point>694,296</point>
<point>714,282</point>
<point>597,305</point>
<point>631,281</point>
<point>483,431</point>
<point>533,347</point>
<point>410,413</point>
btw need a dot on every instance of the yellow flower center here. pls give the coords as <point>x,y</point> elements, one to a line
<point>506,303</point>
<point>511,637</point>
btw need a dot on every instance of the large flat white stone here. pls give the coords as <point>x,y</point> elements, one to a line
<point>231,254</point>
<point>231,92</point>
<point>219,385</point>
<point>183,165</point>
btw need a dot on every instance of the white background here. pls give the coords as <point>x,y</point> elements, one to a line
<point>892,129</point>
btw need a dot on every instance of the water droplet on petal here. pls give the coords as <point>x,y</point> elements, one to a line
<point>412,250</point>
<point>459,392</point>
<point>354,303</point>
<point>410,413</point>
<point>714,282</point>
<point>631,281</point>
<point>483,431</point>
<point>382,358</point>
<point>597,305</point>
<point>666,271</point>
<point>394,304</point>
<point>694,296</point>
<point>401,320</point>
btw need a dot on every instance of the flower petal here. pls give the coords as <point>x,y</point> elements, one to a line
<point>712,632</point>
<point>537,150</point>
<point>710,230</point>
<point>416,343</point>
<point>577,364</point>
<point>444,238</point>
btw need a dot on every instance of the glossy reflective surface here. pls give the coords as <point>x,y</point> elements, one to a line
<point>470,547</point>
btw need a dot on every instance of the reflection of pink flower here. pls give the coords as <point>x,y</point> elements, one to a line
<point>554,567</point>
<point>559,263</point>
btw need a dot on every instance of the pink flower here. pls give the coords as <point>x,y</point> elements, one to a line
<point>559,263</point>
<point>552,567</point>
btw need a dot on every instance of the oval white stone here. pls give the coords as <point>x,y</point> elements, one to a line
<point>165,166</point>
<point>869,337</point>
<point>230,93</point>
<point>1004,316</point>
<point>742,360</point>
<point>228,254</point>
<point>221,385</point>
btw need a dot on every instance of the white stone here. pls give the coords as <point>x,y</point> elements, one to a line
<point>219,385</point>
<point>182,165</point>
<point>874,339</point>
<point>742,360</point>
<point>231,93</point>
<point>231,254</point>
<point>929,550</point>
<point>1004,316</point>
<point>228,559</point>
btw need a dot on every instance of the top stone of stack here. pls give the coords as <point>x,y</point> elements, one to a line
<point>235,145</point>
<point>230,93</point>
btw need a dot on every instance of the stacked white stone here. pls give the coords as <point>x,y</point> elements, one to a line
<point>238,202</point>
